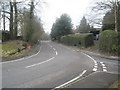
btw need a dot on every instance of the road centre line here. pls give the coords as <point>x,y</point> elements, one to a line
<point>69,82</point>
<point>54,49</point>
<point>40,63</point>
<point>56,53</point>
<point>22,58</point>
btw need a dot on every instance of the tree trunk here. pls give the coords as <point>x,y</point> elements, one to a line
<point>11,20</point>
<point>3,17</point>
<point>15,20</point>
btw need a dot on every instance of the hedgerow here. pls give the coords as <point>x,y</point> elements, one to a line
<point>109,41</point>
<point>84,40</point>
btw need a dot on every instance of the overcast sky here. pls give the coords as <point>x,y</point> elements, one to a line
<point>54,8</point>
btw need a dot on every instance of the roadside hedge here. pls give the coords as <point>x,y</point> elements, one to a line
<point>109,42</point>
<point>84,40</point>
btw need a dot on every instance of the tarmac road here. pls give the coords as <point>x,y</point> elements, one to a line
<point>55,66</point>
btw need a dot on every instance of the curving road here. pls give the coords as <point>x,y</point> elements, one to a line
<point>54,66</point>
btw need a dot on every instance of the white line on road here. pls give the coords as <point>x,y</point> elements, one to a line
<point>39,63</point>
<point>105,70</point>
<point>101,62</point>
<point>90,57</point>
<point>56,53</point>
<point>103,65</point>
<point>63,85</point>
<point>95,62</point>
<point>94,69</point>
<point>54,49</point>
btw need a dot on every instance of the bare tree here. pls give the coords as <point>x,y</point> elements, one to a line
<point>101,8</point>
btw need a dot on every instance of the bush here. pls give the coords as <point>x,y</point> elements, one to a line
<point>108,42</point>
<point>84,40</point>
<point>5,36</point>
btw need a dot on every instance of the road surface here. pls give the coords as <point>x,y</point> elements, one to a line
<point>54,66</point>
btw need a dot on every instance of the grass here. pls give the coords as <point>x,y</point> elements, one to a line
<point>116,84</point>
<point>10,48</point>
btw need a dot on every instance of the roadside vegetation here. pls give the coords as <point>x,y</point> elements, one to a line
<point>116,84</point>
<point>10,49</point>
<point>107,37</point>
<point>81,40</point>
<point>24,27</point>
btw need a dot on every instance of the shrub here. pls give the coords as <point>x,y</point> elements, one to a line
<point>108,42</point>
<point>5,36</point>
<point>84,40</point>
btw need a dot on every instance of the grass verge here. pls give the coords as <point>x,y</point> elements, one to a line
<point>116,84</point>
<point>10,49</point>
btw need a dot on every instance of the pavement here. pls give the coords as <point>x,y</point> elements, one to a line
<point>56,65</point>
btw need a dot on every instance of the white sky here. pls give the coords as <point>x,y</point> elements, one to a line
<point>54,8</point>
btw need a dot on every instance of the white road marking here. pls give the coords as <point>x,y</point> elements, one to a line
<point>39,63</point>
<point>54,49</point>
<point>90,57</point>
<point>101,62</point>
<point>94,69</point>
<point>103,65</point>
<point>22,58</point>
<point>13,60</point>
<point>105,70</point>
<point>63,85</point>
<point>95,62</point>
<point>56,53</point>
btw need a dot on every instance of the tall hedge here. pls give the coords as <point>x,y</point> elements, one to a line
<point>109,41</point>
<point>84,40</point>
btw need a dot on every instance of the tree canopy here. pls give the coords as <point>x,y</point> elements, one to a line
<point>61,27</point>
<point>84,27</point>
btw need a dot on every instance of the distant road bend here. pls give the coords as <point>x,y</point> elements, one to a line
<point>54,66</point>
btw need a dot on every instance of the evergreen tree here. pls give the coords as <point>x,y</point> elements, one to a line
<point>108,21</point>
<point>61,27</point>
<point>84,27</point>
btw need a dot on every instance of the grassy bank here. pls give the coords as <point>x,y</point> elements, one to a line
<point>10,49</point>
<point>116,84</point>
